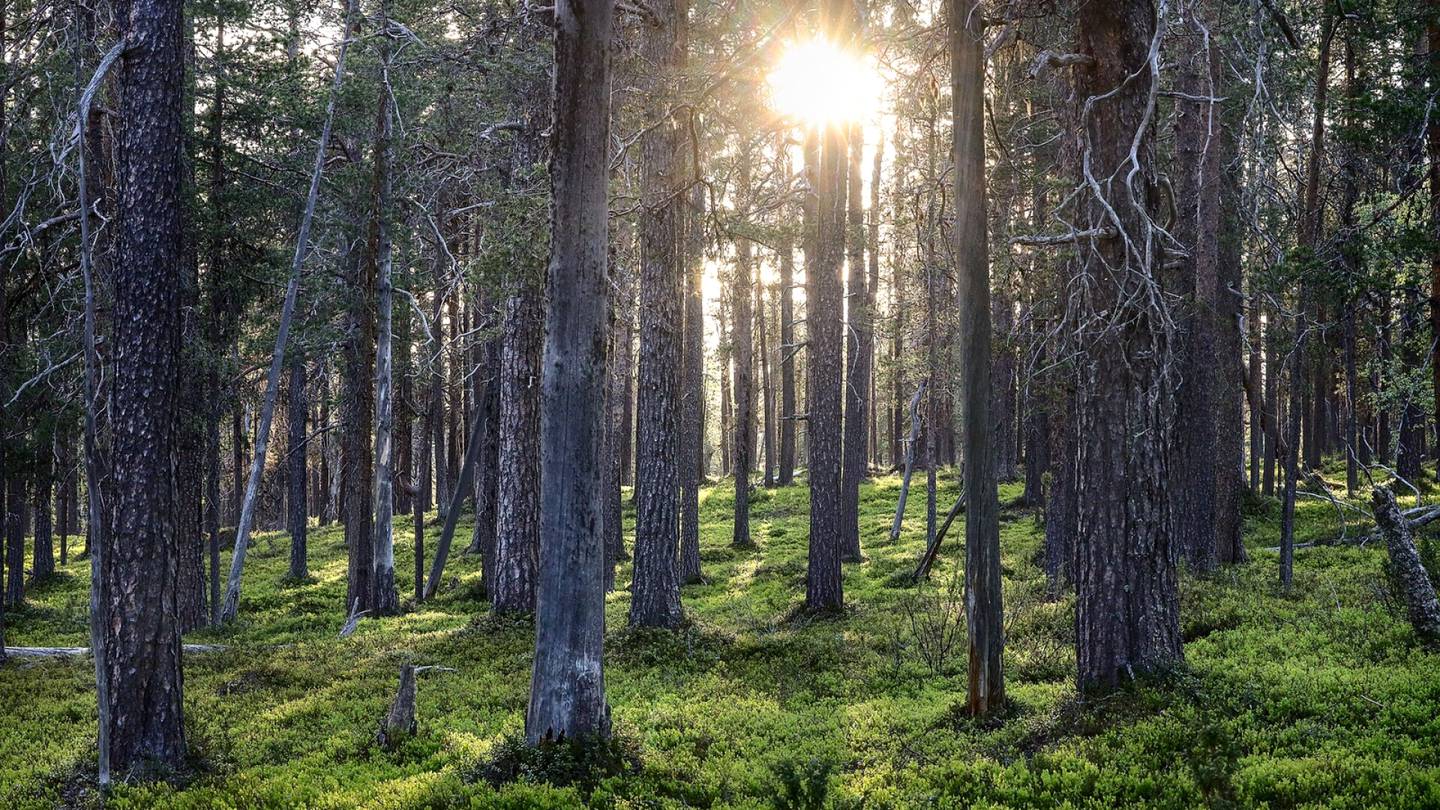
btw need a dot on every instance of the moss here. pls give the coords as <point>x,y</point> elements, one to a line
<point>1320,697</point>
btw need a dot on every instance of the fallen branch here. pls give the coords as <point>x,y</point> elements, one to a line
<point>70,652</point>
<point>933,550</point>
<point>1416,517</point>
<point>1051,240</point>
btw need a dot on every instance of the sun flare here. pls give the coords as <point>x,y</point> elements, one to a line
<point>820,83</point>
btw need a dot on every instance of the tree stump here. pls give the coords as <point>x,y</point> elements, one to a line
<point>399,722</point>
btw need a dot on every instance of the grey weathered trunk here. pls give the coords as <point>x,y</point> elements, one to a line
<point>386,598</point>
<point>1406,569</point>
<point>567,685</point>
<point>984,612</point>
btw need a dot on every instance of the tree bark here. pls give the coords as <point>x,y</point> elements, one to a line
<point>386,597</point>
<point>140,621</point>
<point>1418,593</point>
<point>517,535</point>
<point>1127,610</point>
<point>824,589</point>
<point>984,611</point>
<point>655,588</point>
<point>567,686</point>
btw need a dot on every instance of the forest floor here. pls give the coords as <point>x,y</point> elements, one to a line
<point>1319,697</point>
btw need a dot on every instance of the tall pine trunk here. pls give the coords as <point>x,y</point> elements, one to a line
<point>567,684</point>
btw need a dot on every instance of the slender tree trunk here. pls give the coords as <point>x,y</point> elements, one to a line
<point>43,561</point>
<point>246,509</point>
<point>742,347</point>
<point>295,452</point>
<point>767,392</point>
<point>517,534</point>
<point>984,612</point>
<point>567,686</point>
<point>692,437</point>
<point>386,594</point>
<point>854,466</point>
<point>788,351</point>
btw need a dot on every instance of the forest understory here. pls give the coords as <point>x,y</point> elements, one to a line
<point>1322,697</point>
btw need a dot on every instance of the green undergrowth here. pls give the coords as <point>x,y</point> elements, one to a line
<point>1317,697</point>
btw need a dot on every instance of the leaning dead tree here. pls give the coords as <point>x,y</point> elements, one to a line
<point>909,462</point>
<point>277,362</point>
<point>1421,605</point>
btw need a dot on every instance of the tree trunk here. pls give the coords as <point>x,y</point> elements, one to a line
<point>296,445</point>
<point>517,535</point>
<point>824,307</point>
<point>788,351</point>
<point>655,588</point>
<point>1127,611</point>
<point>386,597</point>
<point>43,561</point>
<point>567,686</point>
<point>1406,569</point>
<point>984,612</point>
<point>854,465</point>
<point>140,622</point>
<point>692,417</point>
<point>357,416</point>
<point>1197,190</point>
<point>742,347</point>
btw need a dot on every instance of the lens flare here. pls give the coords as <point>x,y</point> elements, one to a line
<point>820,83</point>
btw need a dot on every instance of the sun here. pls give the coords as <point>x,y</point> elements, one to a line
<point>819,83</point>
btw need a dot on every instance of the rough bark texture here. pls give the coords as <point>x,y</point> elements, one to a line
<point>567,685</point>
<point>140,623</point>
<point>517,535</point>
<point>1406,570</point>
<point>655,590</point>
<point>1127,611</point>
<point>1197,183</point>
<point>824,316</point>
